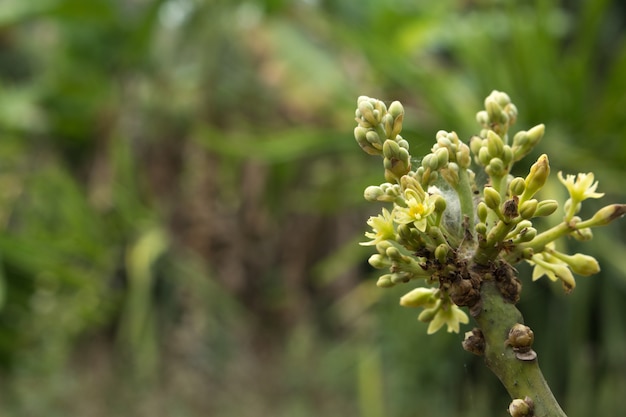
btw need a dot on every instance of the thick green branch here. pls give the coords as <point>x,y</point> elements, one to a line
<point>521,378</point>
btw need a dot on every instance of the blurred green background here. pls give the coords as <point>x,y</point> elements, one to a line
<point>181,201</point>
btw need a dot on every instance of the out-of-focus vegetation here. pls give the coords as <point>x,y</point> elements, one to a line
<point>180,201</point>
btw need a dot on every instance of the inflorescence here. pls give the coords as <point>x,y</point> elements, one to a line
<point>444,231</point>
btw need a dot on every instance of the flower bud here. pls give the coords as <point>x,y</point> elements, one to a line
<point>496,168</point>
<point>384,281</point>
<point>441,156</point>
<point>546,208</point>
<point>366,109</point>
<point>517,186</point>
<point>393,253</point>
<point>492,198</point>
<point>537,177</point>
<point>579,263</point>
<point>524,142</point>
<point>441,253</point>
<point>387,122</point>
<point>429,313</point>
<point>582,235</point>
<point>494,111</point>
<point>378,261</point>
<point>451,174</point>
<point>481,228</point>
<point>419,297</point>
<point>440,203</point>
<point>463,156</point>
<point>481,210</point>
<point>482,118</point>
<point>360,134</point>
<point>528,208</point>
<point>495,144</point>
<point>605,215</point>
<point>483,156</point>
<point>396,109</point>
<point>373,193</point>
<point>476,142</point>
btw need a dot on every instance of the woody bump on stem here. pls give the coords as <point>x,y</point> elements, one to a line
<point>458,242</point>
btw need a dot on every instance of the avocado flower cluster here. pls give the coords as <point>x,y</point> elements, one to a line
<point>447,233</point>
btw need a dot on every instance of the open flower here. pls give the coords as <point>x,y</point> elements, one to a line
<point>418,207</point>
<point>450,315</point>
<point>580,187</point>
<point>382,228</point>
<point>552,267</point>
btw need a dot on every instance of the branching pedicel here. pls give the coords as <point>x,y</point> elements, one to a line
<point>460,242</point>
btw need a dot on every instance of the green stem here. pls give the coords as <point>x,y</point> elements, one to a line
<point>550,235</point>
<point>521,378</point>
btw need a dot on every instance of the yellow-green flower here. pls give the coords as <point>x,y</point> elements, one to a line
<point>383,229</point>
<point>552,267</point>
<point>580,187</point>
<point>450,315</point>
<point>416,211</point>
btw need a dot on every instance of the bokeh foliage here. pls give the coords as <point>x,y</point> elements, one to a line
<point>180,201</point>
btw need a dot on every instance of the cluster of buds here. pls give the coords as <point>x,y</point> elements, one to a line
<point>449,234</point>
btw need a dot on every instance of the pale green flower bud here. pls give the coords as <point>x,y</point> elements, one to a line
<point>527,208</point>
<point>387,122</point>
<point>495,144</point>
<point>397,112</point>
<point>393,253</point>
<point>546,208</point>
<point>441,156</point>
<point>582,235</point>
<point>496,168</point>
<point>517,186</point>
<point>475,144</point>
<point>537,177</point>
<point>374,139</point>
<point>481,228</point>
<point>492,198</point>
<point>483,156</point>
<point>482,118</point>
<point>507,155</point>
<point>366,109</point>
<point>605,216</point>
<point>463,156</point>
<point>378,261</point>
<point>481,210</point>
<point>397,160</point>
<point>430,161</point>
<point>441,253</point>
<point>451,174</point>
<point>373,193</point>
<point>402,142</point>
<point>399,277</point>
<point>527,234</point>
<point>580,264</point>
<point>396,109</point>
<point>429,313</point>
<point>419,297</point>
<point>525,141</point>
<point>494,111</point>
<point>440,203</point>
<point>360,134</point>
<point>384,281</point>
